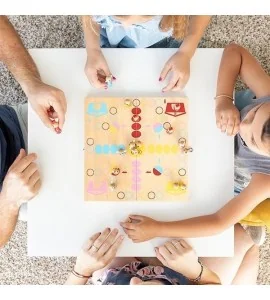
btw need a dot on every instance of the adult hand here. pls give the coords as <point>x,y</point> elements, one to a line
<point>49,103</point>
<point>179,256</point>
<point>179,67</point>
<point>96,69</point>
<point>22,181</point>
<point>227,116</point>
<point>98,252</point>
<point>140,228</point>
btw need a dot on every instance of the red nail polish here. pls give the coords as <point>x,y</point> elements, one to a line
<point>159,79</point>
<point>114,78</point>
<point>58,130</point>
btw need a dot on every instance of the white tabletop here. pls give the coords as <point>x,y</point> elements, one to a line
<point>59,218</point>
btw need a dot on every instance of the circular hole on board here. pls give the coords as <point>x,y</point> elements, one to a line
<point>90,141</point>
<point>90,172</point>
<point>120,195</point>
<point>151,195</point>
<point>166,172</point>
<point>136,102</point>
<point>167,125</point>
<point>113,110</point>
<point>105,126</point>
<point>159,110</point>
<point>182,142</point>
<point>182,172</point>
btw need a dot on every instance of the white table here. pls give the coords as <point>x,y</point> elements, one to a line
<point>59,219</point>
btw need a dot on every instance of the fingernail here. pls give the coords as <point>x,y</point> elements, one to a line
<point>114,78</point>
<point>159,79</point>
<point>58,130</point>
<point>163,91</point>
<point>156,248</point>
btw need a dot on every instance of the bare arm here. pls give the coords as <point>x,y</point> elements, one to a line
<point>91,32</point>
<point>196,29</point>
<point>237,61</point>
<point>234,211</point>
<point>16,57</point>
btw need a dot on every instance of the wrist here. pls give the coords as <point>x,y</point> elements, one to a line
<point>187,53</point>
<point>85,272</point>
<point>93,48</point>
<point>9,205</point>
<point>30,85</point>
<point>194,272</point>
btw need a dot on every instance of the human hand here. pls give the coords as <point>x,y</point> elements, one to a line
<point>179,66</point>
<point>227,116</point>
<point>179,256</point>
<point>22,181</point>
<point>98,252</point>
<point>96,69</point>
<point>49,103</point>
<point>140,228</point>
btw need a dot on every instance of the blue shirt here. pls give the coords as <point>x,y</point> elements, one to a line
<point>141,35</point>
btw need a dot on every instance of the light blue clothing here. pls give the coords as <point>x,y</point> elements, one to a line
<point>141,35</point>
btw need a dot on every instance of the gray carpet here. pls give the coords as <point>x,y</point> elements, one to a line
<point>65,32</point>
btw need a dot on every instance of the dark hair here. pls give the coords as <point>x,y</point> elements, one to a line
<point>266,130</point>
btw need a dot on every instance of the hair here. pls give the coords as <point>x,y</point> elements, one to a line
<point>266,131</point>
<point>178,24</point>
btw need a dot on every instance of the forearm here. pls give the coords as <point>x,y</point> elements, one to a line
<point>209,277</point>
<point>8,220</point>
<point>194,227</point>
<point>91,32</point>
<point>196,29</point>
<point>229,70</point>
<point>16,57</point>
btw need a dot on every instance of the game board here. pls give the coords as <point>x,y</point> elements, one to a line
<point>136,149</point>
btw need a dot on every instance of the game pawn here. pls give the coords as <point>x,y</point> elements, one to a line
<point>112,185</point>
<point>115,171</point>
<point>122,151</point>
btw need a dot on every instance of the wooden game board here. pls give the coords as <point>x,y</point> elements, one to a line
<point>111,124</point>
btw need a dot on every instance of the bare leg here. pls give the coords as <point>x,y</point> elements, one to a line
<point>231,269</point>
<point>248,271</point>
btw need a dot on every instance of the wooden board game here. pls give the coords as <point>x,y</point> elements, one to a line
<point>136,149</point>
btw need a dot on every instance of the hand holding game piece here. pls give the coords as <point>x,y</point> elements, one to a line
<point>179,66</point>
<point>140,228</point>
<point>227,116</point>
<point>49,103</point>
<point>97,70</point>
<point>98,252</point>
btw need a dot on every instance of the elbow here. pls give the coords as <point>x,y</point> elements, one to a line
<point>233,47</point>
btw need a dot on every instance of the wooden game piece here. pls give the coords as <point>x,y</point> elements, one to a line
<point>109,80</point>
<point>176,185</point>
<point>113,185</point>
<point>170,130</point>
<point>122,151</point>
<point>183,187</point>
<point>115,171</point>
<point>134,151</point>
<point>139,143</point>
<point>132,145</point>
<point>182,142</point>
<point>128,102</point>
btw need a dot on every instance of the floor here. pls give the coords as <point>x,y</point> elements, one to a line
<point>65,32</point>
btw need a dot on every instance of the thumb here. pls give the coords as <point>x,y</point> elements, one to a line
<point>21,155</point>
<point>44,117</point>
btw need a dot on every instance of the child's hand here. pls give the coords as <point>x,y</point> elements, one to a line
<point>96,69</point>
<point>179,256</point>
<point>140,228</point>
<point>98,252</point>
<point>227,116</point>
<point>179,65</point>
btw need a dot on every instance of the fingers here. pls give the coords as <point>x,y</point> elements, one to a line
<point>166,69</point>
<point>224,123</point>
<point>108,242</point>
<point>185,244</point>
<point>171,248</point>
<point>171,84</point>
<point>230,125</point>
<point>30,170</point>
<point>164,252</point>
<point>34,178</point>
<point>44,117</point>
<point>93,78</point>
<point>111,253</point>
<point>37,187</point>
<point>88,244</point>
<point>60,110</point>
<point>21,154</point>
<point>24,162</point>
<point>127,225</point>
<point>179,244</point>
<point>100,240</point>
<point>160,257</point>
<point>236,127</point>
<point>136,217</point>
<point>180,84</point>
